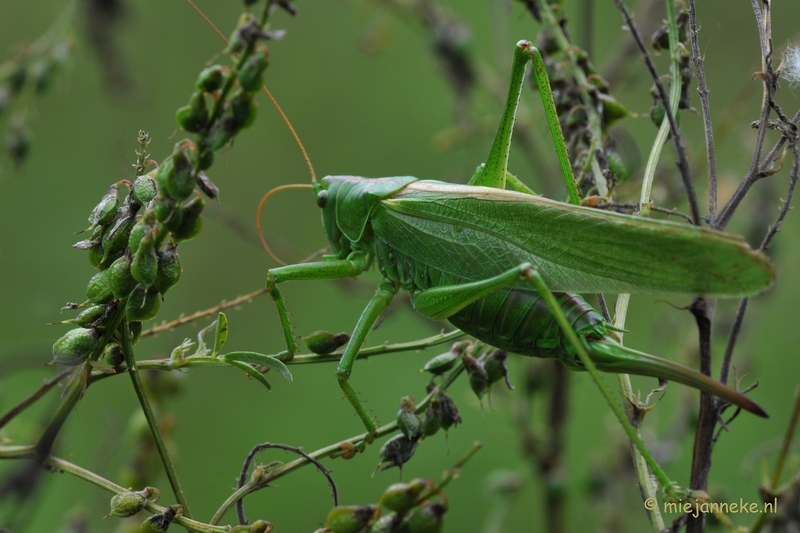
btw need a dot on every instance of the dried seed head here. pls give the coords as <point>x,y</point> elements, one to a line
<point>397,451</point>
<point>159,523</point>
<point>74,347</point>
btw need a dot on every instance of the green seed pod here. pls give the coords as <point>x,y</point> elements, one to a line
<point>351,518</point>
<point>205,161</point>
<point>397,451</point>
<point>243,110</point>
<point>478,378</point>
<point>115,239</point>
<point>212,78</point>
<point>168,212</point>
<point>74,347</point>
<point>617,166</point>
<point>425,519</point>
<point>261,526</point>
<point>192,222</point>
<point>113,357</point>
<point>221,133</point>
<point>176,176</point>
<point>128,503</point>
<point>193,117</point>
<point>169,269</point>
<point>143,226</point>
<point>407,420</point>
<point>136,331</point>
<point>144,266</point>
<point>612,110</point>
<point>250,74</point>
<point>445,361</point>
<point>145,188</point>
<point>402,497</point>
<point>120,280</point>
<point>142,305</point>
<point>98,290</point>
<point>389,523</point>
<point>159,523</point>
<point>89,316</point>
<point>433,418</point>
<point>324,342</point>
<point>95,246</point>
<point>106,210</point>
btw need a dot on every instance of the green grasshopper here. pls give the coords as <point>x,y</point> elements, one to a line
<point>486,259</point>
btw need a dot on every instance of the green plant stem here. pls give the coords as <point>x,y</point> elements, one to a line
<point>169,467</point>
<point>91,477</point>
<point>621,309</point>
<point>75,392</point>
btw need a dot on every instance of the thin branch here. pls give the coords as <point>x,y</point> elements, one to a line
<point>268,445</point>
<point>702,90</point>
<point>30,400</point>
<point>683,163</point>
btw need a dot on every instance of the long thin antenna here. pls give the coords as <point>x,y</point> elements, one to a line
<point>261,206</point>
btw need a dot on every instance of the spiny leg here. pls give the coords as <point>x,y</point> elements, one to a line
<point>494,173</point>
<point>441,302</point>
<point>371,313</point>
<point>333,269</point>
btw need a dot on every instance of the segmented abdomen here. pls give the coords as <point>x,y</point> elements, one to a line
<point>516,319</point>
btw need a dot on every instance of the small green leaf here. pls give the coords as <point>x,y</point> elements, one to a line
<point>221,335</point>
<point>252,371</point>
<point>259,359</point>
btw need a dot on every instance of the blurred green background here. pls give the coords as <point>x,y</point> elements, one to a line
<point>368,98</point>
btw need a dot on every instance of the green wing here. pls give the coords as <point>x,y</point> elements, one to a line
<point>477,232</point>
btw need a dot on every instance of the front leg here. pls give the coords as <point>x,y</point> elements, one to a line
<point>334,269</point>
<point>372,312</point>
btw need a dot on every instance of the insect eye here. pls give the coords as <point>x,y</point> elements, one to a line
<point>322,198</point>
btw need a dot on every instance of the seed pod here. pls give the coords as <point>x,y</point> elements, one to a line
<point>450,415</point>
<point>243,110</point>
<point>222,132</point>
<point>617,166</point>
<point>397,451</point>
<point>206,185</point>
<point>176,176</point>
<point>402,497</point>
<point>496,369</point>
<point>168,212</point>
<point>104,212</point>
<point>142,305</point>
<point>388,523</point>
<point>407,420</point>
<point>324,342</point>
<point>145,188</point>
<point>205,160</point>
<point>351,518</point>
<point>144,266</point>
<point>212,78</point>
<point>193,117</point>
<point>425,519</point>
<point>159,523</point>
<point>433,418</point>
<point>478,378</point>
<point>89,316</point>
<point>95,248</point>
<point>120,280</point>
<point>192,222</point>
<point>169,269</point>
<point>136,331</point>
<point>445,361</point>
<point>612,110</point>
<point>113,356</point>
<point>143,226</point>
<point>128,503</point>
<point>115,239</point>
<point>74,347</point>
<point>98,290</point>
<point>261,526</point>
<point>250,74</point>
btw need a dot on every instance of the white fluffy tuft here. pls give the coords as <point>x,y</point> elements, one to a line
<point>791,65</point>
